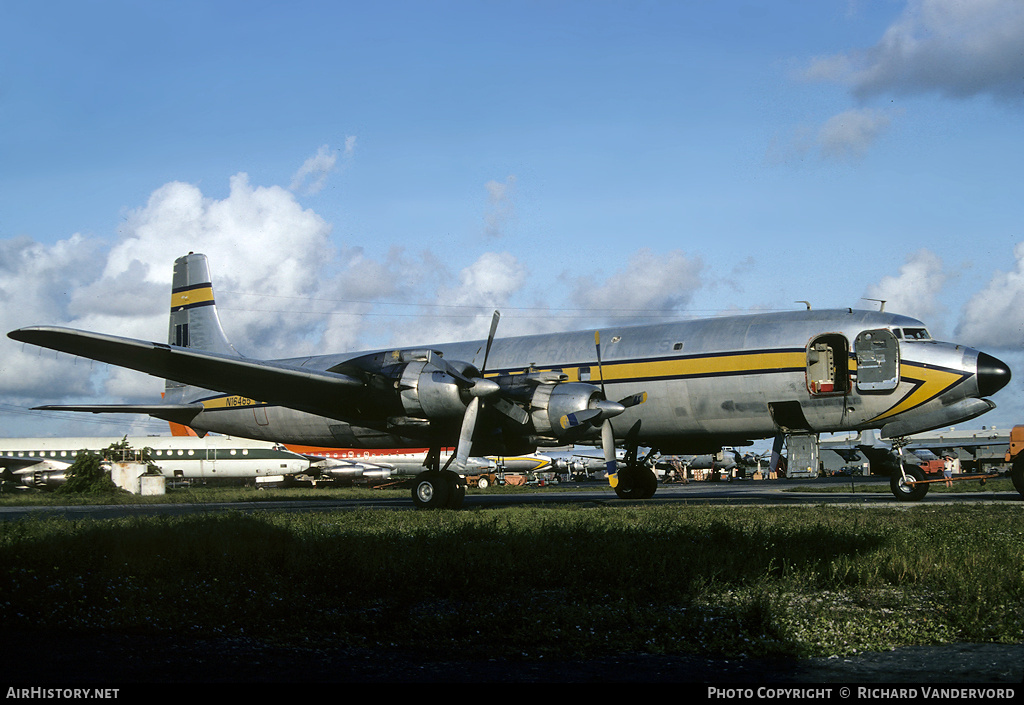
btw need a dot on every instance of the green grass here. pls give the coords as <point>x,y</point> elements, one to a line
<point>552,582</point>
<point>12,497</point>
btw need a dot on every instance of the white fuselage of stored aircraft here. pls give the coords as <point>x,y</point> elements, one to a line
<point>186,457</point>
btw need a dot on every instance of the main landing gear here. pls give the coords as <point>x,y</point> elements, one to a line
<point>637,479</point>
<point>437,487</point>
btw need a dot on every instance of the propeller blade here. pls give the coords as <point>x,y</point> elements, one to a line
<point>608,448</point>
<point>466,434</point>
<point>580,418</point>
<point>597,345</point>
<point>490,339</point>
<point>633,400</point>
<point>516,413</point>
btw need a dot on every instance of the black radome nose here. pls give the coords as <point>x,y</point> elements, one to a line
<point>993,375</point>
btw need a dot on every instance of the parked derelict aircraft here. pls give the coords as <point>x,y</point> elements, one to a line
<point>683,387</point>
<point>400,461</point>
<point>43,462</point>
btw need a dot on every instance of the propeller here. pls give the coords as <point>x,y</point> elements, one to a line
<point>479,388</point>
<point>607,432</point>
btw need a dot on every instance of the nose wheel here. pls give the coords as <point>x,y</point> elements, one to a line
<point>907,483</point>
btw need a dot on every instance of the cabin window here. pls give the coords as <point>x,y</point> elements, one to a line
<point>677,346</point>
<point>828,368</point>
<point>878,361</point>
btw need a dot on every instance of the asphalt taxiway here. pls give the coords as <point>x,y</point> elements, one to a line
<point>738,493</point>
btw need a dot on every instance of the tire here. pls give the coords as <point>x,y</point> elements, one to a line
<point>456,490</point>
<point>430,490</point>
<point>905,492</point>
<point>1017,475</point>
<point>483,483</point>
<point>636,483</point>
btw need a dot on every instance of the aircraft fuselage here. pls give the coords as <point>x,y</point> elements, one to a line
<point>711,382</point>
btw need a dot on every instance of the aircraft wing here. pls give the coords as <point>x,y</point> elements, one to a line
<point>322,393</point>
<point>177,413</point>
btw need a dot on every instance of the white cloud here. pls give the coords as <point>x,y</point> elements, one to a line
<point>847,136</point>
<point>851,133</point>
<point>463,311</point>
<point>35,285</point>
<point>994,317</point>
<point>916,290</point>
<point>649,283</point>
<point>954,48</point>
<point>284,290</point>
<point>312,175</point>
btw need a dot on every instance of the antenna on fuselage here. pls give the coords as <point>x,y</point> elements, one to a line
<point>805,303</point>
<point>881,307</point>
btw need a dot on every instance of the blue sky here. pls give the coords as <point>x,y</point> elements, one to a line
<point>366,174</point>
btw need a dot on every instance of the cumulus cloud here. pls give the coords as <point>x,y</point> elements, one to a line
<point>257,238</point>
<point>35,283</point>
<point>916,290</point>
<point>954,48</point>
<point>994,317</point>
<point>951,48</point>
<point>649,283</point>
<point>284,289</point>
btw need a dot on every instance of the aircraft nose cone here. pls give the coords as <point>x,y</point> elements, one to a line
<point>993,375</point>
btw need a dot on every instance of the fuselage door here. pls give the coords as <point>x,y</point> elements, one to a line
<point>828,365</point>
<point>878,361</point>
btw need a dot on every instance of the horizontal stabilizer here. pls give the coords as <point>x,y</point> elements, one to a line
<point>178,413</point>
<point>317,392</point>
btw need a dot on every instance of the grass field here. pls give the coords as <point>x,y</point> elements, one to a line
<point>553,581</point>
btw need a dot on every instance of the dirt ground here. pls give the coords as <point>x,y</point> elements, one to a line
<point>33,659</point>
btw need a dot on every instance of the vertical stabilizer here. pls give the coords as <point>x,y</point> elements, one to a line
<point>194,320</point>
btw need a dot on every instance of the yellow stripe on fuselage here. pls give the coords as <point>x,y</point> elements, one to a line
<point>930,384</point>
<point>709,366</point>
<point>191,297</point>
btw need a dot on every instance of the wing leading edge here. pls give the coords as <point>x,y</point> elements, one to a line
<point>314,391</point>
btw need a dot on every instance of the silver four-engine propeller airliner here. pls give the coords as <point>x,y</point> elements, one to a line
<point>682,387</point>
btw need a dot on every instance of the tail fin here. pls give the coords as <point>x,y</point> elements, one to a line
<point>194,320</point>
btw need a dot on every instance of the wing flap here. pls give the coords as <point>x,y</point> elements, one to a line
<point>314,391</point>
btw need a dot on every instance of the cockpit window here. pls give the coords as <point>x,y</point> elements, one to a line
<point>916,334</point>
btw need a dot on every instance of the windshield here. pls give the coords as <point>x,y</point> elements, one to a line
<point>916,334</point>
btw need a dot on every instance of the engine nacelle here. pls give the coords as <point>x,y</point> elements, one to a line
<point>42,479</point>
<point>550,402</point>
<point>429,393</point>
